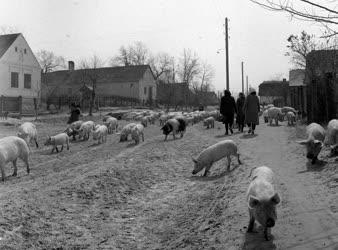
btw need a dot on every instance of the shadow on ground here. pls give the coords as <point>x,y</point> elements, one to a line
<point>317,167</point>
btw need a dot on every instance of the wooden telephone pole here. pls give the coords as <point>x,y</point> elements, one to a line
<point>226,53</point>
<point>243,77</point>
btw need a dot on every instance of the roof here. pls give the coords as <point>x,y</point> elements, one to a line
<point>105,75</point>
<point>6,41</point>
<point>273,88</point>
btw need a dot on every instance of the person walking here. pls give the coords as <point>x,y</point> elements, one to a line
<point>251,110</point>
<point>240,113</point>
<point>228,109</point>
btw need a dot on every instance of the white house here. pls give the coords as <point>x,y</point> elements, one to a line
<point>20,71</point>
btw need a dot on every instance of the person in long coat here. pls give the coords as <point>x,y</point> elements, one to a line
<point>251,110</point>
<point>240,113</point>
<point>228,110</point>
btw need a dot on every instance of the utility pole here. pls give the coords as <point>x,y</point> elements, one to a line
<point>247,85</point>
<point>243,77</point>
<point>226,53</point>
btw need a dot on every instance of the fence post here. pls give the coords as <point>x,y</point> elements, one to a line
<point>20,104</point>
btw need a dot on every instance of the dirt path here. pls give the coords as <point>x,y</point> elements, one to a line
<point>121,196</point>
<point>185,211</point>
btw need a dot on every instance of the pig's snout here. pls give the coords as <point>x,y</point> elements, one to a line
<point>310,155</point>
<point>270,222</point>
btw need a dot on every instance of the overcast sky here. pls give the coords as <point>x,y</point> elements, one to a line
<point>80,28</point>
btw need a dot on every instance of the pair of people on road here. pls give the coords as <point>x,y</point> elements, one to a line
<point>247,110</point>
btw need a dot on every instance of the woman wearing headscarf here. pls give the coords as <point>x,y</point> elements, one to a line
<point>228,110</point>
<point>240,113</point>
<point>251,110</point>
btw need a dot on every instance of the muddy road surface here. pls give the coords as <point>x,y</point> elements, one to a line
<point>121,196</point>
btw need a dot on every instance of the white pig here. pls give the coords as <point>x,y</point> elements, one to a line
<point>262,200</point>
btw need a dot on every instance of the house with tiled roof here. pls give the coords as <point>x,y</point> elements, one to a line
<point>20,71</point>
<point>137,82</point>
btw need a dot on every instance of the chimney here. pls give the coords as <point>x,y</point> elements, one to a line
<point>71,65</point>
<point>284,80</point>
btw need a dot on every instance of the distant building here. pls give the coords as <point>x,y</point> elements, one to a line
<point>20,72</point>
<point>274,92</point>
<point>297,89</point>
<point>174,94</point>
<point>135,82</point>
<point>321,80</point>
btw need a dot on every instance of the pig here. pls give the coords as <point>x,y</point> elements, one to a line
<point>136,132</point>
<point>262,200</point>
<point>291,117</point>
<point>314,142</point>
<point>265,116</point>
<point>86,128</point>
<point>331,138</point>
<point>12,148</point>
<point>73,129</point>
<point>126,130</point>
<point>209,122</point>
<point>174,125</point>
<point>59,139</point>
<point>100,133</point>
<point>112,124</point>
<point>214,153</point>
<point>275,114</point>
<point>28,132</point>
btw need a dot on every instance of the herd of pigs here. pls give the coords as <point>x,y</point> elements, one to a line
<point>261,196</point>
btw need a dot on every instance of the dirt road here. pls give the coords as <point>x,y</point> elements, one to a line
<point>120,196</point>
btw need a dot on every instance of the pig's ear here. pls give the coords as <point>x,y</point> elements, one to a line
<point>275,199</point>
<point>253,202</point>
<point>318,143</point>
<point>193,159</point>
<point>303,142</point>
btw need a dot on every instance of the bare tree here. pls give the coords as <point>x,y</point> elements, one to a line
<point>206,76</point>
<point>161,64</point>
<point>136,54</point>
<point>325,12</point>
<point>123,58</point>
<point>189,66</point>
<point>90,74</point>
<point>6,29</point>
<point>140,53</point>
<point>50,62</point>
<point>299,47</point>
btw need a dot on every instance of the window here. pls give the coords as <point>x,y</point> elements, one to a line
<point>27,81</point>
<point>16,49</point>
<point>25,51</point>
<point>145,90</point>
<point>14,79</point>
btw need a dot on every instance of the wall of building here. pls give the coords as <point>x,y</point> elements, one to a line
<point>147,82</point>
<point>22,63</point>
<point>125,89</point>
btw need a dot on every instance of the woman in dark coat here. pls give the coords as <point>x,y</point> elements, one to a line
<point>251,110</point>
<point>228,109</point>
<point>240,113</point>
